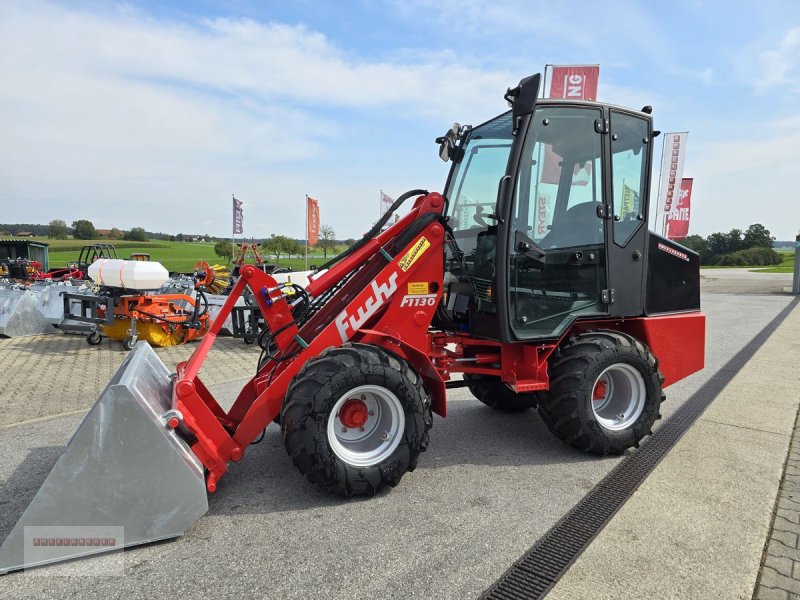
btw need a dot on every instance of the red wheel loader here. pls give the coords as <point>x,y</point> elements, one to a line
<point>533,281</point>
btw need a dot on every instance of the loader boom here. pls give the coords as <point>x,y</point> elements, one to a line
<point>379,312</point>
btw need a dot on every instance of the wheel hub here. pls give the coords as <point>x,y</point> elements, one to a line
<point>366,425</point>
<point>618,397</point>
<point>354,413</point>
<point>600,390</point>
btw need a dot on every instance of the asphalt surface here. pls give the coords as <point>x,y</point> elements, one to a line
<point>744,281</point>
<point>488,487</point>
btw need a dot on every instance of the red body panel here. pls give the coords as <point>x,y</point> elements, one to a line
<point>678,341</point>
<point>393,310</point>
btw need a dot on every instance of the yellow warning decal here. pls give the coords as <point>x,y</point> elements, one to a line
<point>417,288</point>
<point>413,255</point>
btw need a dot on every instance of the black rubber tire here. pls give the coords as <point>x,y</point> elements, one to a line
<point>128,344</point>
<point>567,408</point>
<point>94,338</point>
<point>249,339</point>
<point>313,393</point>
<point>493,392</point>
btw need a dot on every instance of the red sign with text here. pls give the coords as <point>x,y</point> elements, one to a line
<point>575,82</point>
<point>677,226</point>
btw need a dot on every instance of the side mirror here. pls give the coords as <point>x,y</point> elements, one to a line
<point>447,142</point>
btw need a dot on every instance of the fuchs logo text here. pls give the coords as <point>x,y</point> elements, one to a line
<point>381,292</point>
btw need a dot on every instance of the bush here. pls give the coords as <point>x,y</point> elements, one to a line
<point>752,257</point>
<point>137,234</point>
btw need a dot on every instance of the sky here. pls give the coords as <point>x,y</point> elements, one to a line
<point>152,114</point>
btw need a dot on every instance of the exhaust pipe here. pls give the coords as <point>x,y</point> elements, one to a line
<point>125,469</point>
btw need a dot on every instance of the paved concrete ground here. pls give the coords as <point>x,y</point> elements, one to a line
<point>488,487</point>
<point>696,527</point>
<point>47,375</point>
<point>744,281</point>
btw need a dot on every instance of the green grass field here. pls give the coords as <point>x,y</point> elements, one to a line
<point>787,266</point>
<point>175,256</point>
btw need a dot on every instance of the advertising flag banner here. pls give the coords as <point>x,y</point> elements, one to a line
<point>312,220</point>
<point>574,82</point>
<point>238,216</point>
<point>386,203</point>
<point>677,226</point>
<point>672,168</point>
<point>630,202</point>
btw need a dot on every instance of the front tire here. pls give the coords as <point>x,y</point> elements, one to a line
<point>605,392</point>
<point>355,419</point>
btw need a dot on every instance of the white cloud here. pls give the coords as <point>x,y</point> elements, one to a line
<point>780,66</point>
<point>129,120</point>
<point>747,180</point>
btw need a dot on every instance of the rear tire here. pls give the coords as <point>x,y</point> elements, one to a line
<point>338,411</point>
<point>496,394</point>
<point>605,392</point>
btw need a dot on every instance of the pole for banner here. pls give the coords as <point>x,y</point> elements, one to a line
<point>796,276</point>
<point>380,204</point>
<point>544,81</point>
<point>233,230</point>
<point>660,175</point>
<point>306,232</point>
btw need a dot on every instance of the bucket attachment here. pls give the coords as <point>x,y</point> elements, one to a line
<point>123,468</point>
<point>19,314</point>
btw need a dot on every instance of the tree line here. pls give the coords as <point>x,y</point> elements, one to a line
<point>84,229</point>
<point>737,248</point>
<point>282,245</point>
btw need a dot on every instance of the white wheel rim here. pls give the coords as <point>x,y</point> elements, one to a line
<point>618,397</point>
<point>379,435</point>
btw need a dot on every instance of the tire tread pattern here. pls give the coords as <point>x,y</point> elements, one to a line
<point>314,391</point>
<point>566,409</point>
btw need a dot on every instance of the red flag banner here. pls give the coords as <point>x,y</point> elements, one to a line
<point>574,82</point>
<point>677,226</point>
<point>238,216</point>
<point>312,220</point>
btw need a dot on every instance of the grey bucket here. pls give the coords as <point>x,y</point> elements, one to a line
<point>19,314</point>
<point>123,467</point>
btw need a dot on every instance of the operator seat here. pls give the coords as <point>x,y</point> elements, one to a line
<point>580,226</point>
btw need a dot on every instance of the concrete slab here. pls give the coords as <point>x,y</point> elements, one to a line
<point>774,412</point>
<point>697,526</point>
<point>695,529</point>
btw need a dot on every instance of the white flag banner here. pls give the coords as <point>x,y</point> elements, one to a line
<point>386,203</point>
<point>672,168</point>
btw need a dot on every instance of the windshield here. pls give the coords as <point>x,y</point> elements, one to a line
<point>472,197</point>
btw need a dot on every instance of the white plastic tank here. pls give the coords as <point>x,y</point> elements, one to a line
<point>128,274</point>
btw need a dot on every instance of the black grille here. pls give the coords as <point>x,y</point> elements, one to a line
<point>540,568</point>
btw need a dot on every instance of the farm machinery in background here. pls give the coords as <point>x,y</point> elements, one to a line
<point>130,303</point>
<point>533,286</point>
